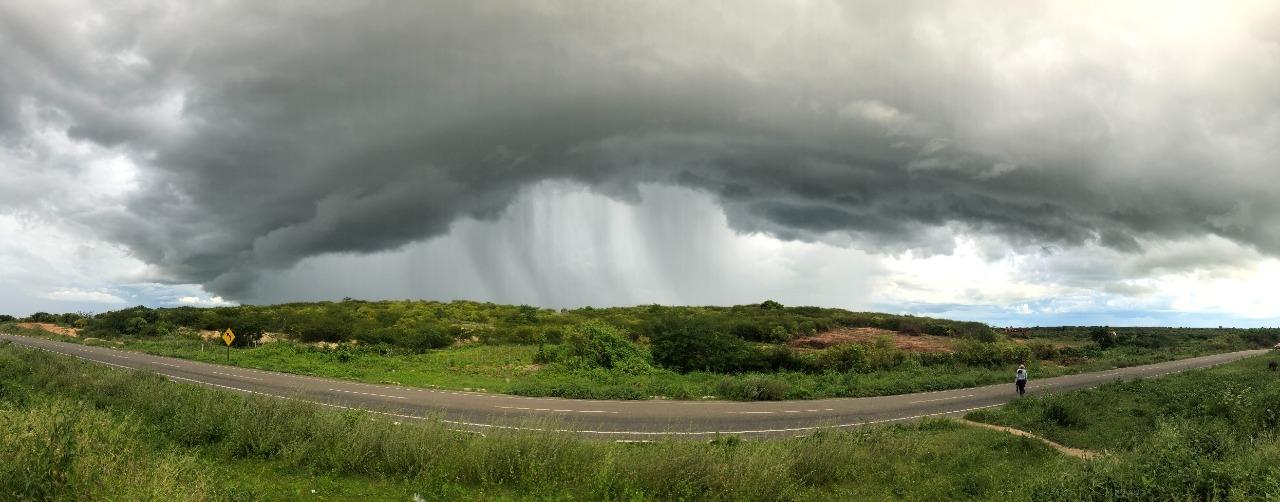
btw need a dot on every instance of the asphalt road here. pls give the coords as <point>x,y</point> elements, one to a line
<point>613,420</point>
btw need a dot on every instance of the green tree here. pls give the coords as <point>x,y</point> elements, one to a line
<point>686,343</point>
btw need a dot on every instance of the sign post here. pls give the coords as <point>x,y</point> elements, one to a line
<point>228,336</point>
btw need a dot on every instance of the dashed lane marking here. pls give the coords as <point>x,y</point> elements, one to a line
<point>233,375</point>
<point>367,393</point>
<point>943,399</point>
<point>553,410</point>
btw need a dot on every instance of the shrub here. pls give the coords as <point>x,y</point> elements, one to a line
<point>883,355</point>
<point>754,388</point>
<point>42,317</point>
<point>595,344</point>
<point>783,357</point>
<point>992,354</point>
<point>689,344</point>
<point>845,358</point>
<point>778,334</point>
<point>976,331</point>
<point>1043,351</point>
<point>749,331</point>
<point>1103,337</point>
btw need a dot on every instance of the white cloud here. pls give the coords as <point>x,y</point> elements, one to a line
<point>204,301</point>
<point>82,296</point>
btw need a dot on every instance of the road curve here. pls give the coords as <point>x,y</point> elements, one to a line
<point>613,420</point>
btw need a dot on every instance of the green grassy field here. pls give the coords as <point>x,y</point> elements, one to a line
<point>73,430</point>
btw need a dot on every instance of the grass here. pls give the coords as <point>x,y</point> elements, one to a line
<point>1123,415</point>
<point>72,430</point>
<point>510,369</point>
<point>1211,434</point>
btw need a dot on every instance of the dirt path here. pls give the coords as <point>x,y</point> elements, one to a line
<point>1075,452</point>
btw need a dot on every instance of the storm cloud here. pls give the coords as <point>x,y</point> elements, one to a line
<point>266,133</point>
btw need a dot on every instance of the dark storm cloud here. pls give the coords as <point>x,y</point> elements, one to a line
<point>270,132</point>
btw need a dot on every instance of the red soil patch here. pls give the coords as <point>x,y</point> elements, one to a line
<point>909,343</point>
<point>52,328</point>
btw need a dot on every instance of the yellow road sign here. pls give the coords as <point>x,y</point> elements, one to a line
<point>228,336</point>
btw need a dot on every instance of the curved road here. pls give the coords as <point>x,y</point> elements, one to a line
<point>616,420</point>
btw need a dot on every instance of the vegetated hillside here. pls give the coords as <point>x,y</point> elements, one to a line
<point>429,324</point>
<point>748,352</point>
<point>681,338</point>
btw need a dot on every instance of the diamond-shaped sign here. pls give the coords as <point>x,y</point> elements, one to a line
<point>228,336</point>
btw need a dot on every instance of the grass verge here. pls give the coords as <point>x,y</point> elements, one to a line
<point>1211,434</point>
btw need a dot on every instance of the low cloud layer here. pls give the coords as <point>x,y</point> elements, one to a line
<point>215,142</point>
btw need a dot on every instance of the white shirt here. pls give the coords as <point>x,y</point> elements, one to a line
<point>1021,374</point>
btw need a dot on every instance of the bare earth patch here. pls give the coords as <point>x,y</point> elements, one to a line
<point>52,328</point>
<point>1074,452</point>
<point>909,343</point>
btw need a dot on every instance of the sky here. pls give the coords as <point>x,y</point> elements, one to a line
<point>1018,163</point>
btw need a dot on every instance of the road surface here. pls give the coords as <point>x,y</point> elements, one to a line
<point>614,420</point>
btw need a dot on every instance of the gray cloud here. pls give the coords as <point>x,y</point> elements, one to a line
<point>267,133</point>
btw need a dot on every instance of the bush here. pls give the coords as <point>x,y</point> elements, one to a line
<point>754,388</point>
<point>689,344</point>
<point>992,354</point>
<point>595,344</point>
<point>42,317</point>
<point>845,358</point>
<point>1103,337</point>
<point>1043,351</point>
<point>749,331</point>
<point>883,355</point>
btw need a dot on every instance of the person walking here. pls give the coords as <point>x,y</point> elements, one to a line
<point>1020,379</point>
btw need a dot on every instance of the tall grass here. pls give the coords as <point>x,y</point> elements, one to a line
<point>1209,434</point>
<point>61,450</point>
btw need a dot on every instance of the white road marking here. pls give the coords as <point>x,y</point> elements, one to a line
<point>551,410</point>
<point>234,375</point>
<point>943,399</point>
<point>367,393</point>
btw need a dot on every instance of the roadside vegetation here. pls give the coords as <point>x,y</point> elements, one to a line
<point>1211,434</point>
<point>73,430</point>
<point>764,351</point>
